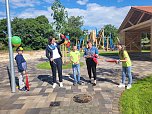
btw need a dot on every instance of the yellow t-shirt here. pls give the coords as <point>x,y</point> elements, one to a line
<point>125,55</point>
<point>75,56</point>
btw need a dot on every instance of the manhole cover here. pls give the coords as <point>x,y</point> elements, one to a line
<point>82,98</point>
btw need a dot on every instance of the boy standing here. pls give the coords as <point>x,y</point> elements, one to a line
<point>22,66</point>
<point>75,58</point>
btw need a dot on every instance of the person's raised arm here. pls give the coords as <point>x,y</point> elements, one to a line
<point>61,42</point>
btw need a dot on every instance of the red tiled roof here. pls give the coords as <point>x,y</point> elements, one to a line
<point>144,8</point>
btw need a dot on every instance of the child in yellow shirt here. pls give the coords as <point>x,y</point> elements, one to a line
<point>75,58</point>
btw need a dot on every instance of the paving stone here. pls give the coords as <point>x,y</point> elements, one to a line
<point>49,90</point>
<point>33,111</point>
<point>37,90</point>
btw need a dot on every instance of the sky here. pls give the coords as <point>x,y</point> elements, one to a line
<point>96,13</point>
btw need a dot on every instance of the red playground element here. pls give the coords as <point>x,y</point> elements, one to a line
<point>68,44</point>
<point>27,83</point>
<point>67,41</point>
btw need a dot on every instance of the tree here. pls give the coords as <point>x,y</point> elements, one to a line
<point>60,16</point>
<point>33,32</point>
<point>110,29</point>
<point>74,27</point>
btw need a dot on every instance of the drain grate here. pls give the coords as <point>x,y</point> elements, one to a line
<point>82,98</point>
<point>54,104</point>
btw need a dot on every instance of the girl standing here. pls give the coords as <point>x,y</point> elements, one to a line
<point>126,66</point>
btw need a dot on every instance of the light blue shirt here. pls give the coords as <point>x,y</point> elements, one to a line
<point>90,52</point>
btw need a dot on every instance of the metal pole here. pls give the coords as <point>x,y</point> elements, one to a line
<point>11,58</point>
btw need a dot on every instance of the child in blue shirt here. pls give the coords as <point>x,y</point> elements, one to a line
<point>22,66</point>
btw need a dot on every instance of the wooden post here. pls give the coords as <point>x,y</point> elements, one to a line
<point>83,43</point>
<point>63,56</point>
<point>103,38</point>
<point>96,42</point>
<point>76,42</point>
<point>151,38</point>
<point>65,53</point>
<point>107,43</point>
<point>100,37</point>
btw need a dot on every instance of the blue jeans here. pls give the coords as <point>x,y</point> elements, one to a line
<point>126,71</point>
<point>76,70</point>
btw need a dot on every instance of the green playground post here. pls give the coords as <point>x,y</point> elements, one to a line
<point>11,58</point>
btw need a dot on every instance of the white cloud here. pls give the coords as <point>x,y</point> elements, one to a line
<point>22,3</point>
<point>96,15</point>
<point>49,1</point>
<point>32,13</point>
<point>82,2</point>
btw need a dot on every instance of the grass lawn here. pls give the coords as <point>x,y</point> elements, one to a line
<point>46,65</point>
<point>108,53</point>
<point>138,100</point>
<point>145,51</point>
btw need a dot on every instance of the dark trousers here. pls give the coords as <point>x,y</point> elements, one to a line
<point>91,67</point>
<point>56,64</point>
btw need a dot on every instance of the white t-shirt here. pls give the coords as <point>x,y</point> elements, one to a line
<point>56,53</point>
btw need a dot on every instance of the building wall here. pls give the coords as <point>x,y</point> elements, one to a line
<point>133,41</point>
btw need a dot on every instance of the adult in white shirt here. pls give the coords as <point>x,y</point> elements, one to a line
<point>54,55</point>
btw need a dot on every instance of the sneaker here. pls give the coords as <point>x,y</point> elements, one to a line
<point>128,86</point>
<point>54,85</point>
<point>121,85</point>
<point>89,81</point>
<point>61,84</point>
<point>22,89</point>
<point>79,83</point>
<point>94,84</point>
<point>74,83</point>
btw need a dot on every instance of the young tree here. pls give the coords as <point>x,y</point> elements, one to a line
<point>60,16</point>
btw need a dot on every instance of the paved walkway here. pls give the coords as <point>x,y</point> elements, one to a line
<point>42,99</point>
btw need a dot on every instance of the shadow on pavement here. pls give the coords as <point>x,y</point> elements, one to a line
<point>46,78</point>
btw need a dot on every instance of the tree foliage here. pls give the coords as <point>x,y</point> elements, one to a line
<point>110,29</point>
<point>74,27</point>
<point>33,31</point>
<point>60,16</point>
<point>3,32</point>
<point>70,26</point>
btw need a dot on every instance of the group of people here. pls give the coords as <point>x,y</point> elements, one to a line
<point>53,53</point>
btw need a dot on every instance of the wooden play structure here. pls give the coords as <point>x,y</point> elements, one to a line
<point>100,40</point>
<point>137,21</point>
